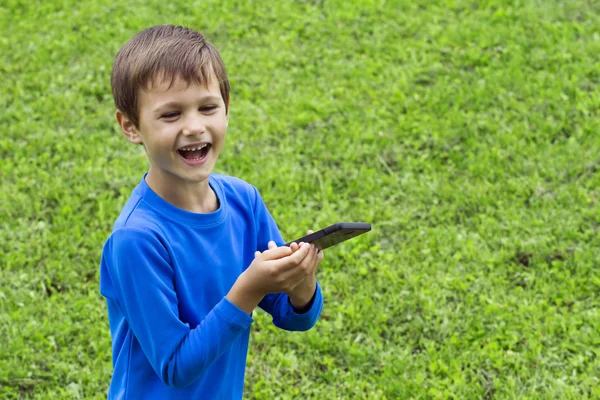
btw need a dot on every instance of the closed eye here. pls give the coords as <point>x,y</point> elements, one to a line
<point>174,114</point>
<point>170,115</point>
<point>208,108</point>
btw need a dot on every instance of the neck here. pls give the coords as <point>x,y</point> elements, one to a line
<point>197,197</point>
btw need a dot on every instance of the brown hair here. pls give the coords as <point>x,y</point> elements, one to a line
<point>162,53</point>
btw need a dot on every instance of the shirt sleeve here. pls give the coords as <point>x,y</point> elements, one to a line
<point>142,282</point>
<point>278,304</point>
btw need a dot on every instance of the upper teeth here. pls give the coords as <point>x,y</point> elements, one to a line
<point>195,148</point>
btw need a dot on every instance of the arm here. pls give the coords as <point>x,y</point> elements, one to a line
<point>279,305</point>
<point>141,275</point>
<point>286,317</point>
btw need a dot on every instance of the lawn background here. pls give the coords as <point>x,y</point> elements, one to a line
<point>466,132</point>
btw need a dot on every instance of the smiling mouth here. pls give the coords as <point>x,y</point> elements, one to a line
<point>196,153</point>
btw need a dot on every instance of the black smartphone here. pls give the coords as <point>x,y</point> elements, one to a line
<point>334,234</point>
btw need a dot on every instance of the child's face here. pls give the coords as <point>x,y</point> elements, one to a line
<point>183,116</point>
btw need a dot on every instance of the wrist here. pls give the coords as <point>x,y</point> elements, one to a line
<point>244,295</point>
<point>303,294</point>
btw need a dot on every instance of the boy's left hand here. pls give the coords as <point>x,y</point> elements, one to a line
<point>303,293</point>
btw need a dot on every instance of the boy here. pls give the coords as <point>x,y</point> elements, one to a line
<point>192,253</point>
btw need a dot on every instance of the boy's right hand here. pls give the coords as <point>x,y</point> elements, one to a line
<point>278,269</point>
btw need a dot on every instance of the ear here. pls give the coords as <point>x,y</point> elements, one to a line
<point>128,128</point>
<point>227,115</point>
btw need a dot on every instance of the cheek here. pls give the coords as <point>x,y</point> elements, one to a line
<point>220,140</point>
<point>220,130</point>
<point>159,138</point>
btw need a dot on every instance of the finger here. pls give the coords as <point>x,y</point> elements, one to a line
<point>320,256</point>
<point>314,258</point>
<point>307,266</point>
<point>294,246</point>
<point>309,232</point>
<point>256,253</point>
<point>308,263</point>
<point>317,260</point>
<point>302,253</point>
<point>276,253</point>
<point>272,245</point>
<point>291,261</point>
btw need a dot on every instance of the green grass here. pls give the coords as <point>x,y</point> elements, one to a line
<point>466,132</point>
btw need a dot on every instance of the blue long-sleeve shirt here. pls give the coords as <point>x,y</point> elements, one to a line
<point>165,273</point>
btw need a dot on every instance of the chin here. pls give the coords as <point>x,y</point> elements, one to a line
<point>198,177</point>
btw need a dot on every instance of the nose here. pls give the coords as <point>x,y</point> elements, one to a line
<point>194,125</point>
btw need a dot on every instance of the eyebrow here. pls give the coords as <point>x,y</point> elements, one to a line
<point>164,106</point>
